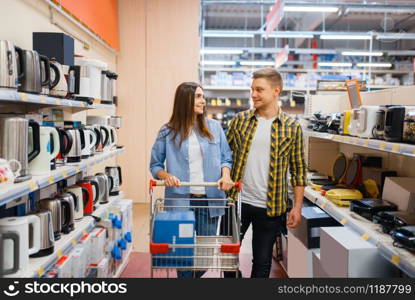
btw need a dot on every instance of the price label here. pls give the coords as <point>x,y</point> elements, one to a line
<point>364,237</point>
<point>74,242</point>
<point>323,205</point>
<point>77,169</point>
<point>41,271</point>
<point>59,254</point>
<point>396,148</point>
<point>366,143</point>
<point>32,186</point>
<point>58,101</point>
<point>344,221</point>
<point>24,97</point>
<point>64,173</point>
<point>395,259</point>
<point>83,104</point>
<point>84,232</point>
<point>382,146</point>
<point>51,179</point>
<point>43,99</point>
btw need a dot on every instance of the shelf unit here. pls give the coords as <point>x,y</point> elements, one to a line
<point>10,192</point>
<point>12,96</point>
<point>39,266</point>
<point>367,231</point>
<point>247,88</point>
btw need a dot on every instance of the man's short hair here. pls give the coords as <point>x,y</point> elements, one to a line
<point>270,74</point>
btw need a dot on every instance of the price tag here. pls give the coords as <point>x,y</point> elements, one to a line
<point>58,101</point>
<point>396,148</point>
<point>323,205</point>
<point>64,174</point>
<point>366,143</point>
<point>32,186</point>
<point>382,146</point>
<point>59,254</point>
<point>41,271</point>
<point>344,221</point>
<point>395,259</point>
<point>83,104</point>
<point>24,97</point>
<point>77,169</point>
<point>74,242</point>
<point>364,237</point>
<point>51,179</point>
<point>43,99</point>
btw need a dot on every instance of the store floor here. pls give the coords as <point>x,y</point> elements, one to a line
<point>139,262</point>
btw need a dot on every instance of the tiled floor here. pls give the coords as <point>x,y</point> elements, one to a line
<point>139,263</point>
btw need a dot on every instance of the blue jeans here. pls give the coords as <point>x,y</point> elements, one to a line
<point>204,226</point>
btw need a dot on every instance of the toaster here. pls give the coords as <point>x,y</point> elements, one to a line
<point>409,127</point>
<point>363,121</point>
<point>345,122</point>
<point>394,118</point>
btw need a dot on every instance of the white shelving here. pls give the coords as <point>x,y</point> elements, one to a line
<point>247,88</point>
<point>397,148</point>
<point>12,96</point>
<point>13,191</point>
<point>367,230</point>
<point>121,268</point>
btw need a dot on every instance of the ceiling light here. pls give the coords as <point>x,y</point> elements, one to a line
<point>345,37</point>
<point>298,35</point>
<point>392,10</point>
<point>395,36</point>
<point>311,8</point>
<point>224,34</point>
<point>221,51</point>
<point>362,53</point>
<point>218,62</point>
<point>375,65</point>
<point>334,64</point>
<point>257,63</point>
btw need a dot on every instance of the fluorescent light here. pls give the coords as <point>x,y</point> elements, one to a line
<point>298,35</point>
<point>375,65</point>
<point>334,64</point>
<point>392,10</point>
<point>223,34</point>
<point>395,36</point>
<point>218,62</point>
<point>257,63</point>
<point>345,37</point>
<point>362,53</point>
<point>310,8</point>
<point>221,51</point>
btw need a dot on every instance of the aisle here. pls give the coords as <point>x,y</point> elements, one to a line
<point>139,262</point>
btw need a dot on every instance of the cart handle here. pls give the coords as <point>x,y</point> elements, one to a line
<point>153,183</point>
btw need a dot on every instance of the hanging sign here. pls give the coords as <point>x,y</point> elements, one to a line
<point>274,17</point>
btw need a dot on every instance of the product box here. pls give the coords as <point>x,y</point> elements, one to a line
<point>64,267</point>
<point>299,258</point>
<point>79,262</point>
<point>55,44</point>
<point>86,242</point>
<point>312,218</point>
<point>318,271</point>
<point>98,244</point>
<point>102,269</point>
<point>174,227</point>
<point>344,254</point>
<point>400,191</point>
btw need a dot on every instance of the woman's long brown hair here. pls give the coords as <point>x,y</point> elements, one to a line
<point>183,117</point>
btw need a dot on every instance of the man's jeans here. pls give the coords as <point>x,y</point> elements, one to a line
<point>204,226</point>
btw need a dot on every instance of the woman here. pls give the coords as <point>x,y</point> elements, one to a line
<point>195,150</point>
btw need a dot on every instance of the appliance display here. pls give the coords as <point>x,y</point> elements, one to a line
<point>11,64</point>
<point>47,240</point>
<point>14,136</point>
<point>394,118</point>
<point>367,208</point>
<point>13,237</point>
<point>41,164</point>
<point>363,122</point>
<point>115,173</point>
<point>32,72</point>
<point>91,76</point>
<point>391,220</point>
<point>58,86</point>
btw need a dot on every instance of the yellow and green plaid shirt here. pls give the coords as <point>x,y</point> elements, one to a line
<point>286,150</point>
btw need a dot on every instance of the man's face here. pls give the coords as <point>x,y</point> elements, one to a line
<point>263,93</point>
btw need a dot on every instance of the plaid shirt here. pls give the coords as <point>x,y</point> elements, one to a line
<point>286,150</point>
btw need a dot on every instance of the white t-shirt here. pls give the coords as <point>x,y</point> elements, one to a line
<point>255,178</point>
<point>195,164</point>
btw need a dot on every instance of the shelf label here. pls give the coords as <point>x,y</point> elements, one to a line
<point>58,101</point>
<point>51,179</point>
<point>32,186</point>
<point>24,96</point>
<point>366,143</point>
<point>74,242</point>
<point>77,169</point>
<point>382,146</point>
<point>84,232</point>
<point>364,237</point>
<point>59,253</point>
<point>395,259</point>
<point>396,148</point>
<point>43,99</point>
<point>64,174</point>
<point>323,205</point>
<point>344,221</point>
<point>83,104</point>
<point>41,271</point>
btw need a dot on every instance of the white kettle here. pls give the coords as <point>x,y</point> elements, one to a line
<point>20,225</point>
<point>41,164</point>
<point>90,139</point>
<point>79,200</point>
<point>59,86</point>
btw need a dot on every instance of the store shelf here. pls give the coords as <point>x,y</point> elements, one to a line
<point>121,268</point>
<point>10,95</point>
<point>243,107</point>
<point>367,230</point>
<point>247,88</point>
<point>398,148</point>
<point>13,191</point>
<point>38,266</point>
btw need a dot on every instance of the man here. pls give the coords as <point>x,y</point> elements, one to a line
<point>265,141</point>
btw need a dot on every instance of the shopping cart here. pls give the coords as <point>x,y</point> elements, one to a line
<point>196,242</point>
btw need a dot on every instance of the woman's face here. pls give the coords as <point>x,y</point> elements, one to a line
<point>199,101</point>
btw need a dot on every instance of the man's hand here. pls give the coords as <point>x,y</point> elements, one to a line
<point>171,181</point>
<point>225,183</point>
<point>294,218</point>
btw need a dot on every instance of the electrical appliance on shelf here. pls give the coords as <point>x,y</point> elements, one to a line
<point>34,76</point>
<point>47,240</point>
<point>11,64</point>
<point>41,164</point>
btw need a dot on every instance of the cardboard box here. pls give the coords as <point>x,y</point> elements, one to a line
<point>86,242</point>
<point>400,191</point>
<point>79,262</point>
<point>64,267</point>
<point>299,258</point>
<point>318,271</point>
<point>312,218</point>
<point>344,254</point>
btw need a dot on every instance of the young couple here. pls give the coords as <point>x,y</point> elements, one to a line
<point>259,146</point>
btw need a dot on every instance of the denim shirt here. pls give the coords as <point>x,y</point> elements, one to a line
<point>167,155</point>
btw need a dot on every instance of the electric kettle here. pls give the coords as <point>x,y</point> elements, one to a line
<point>105,185</point>
<point>115,173</point>
<point>47,241</point>
<point>68,211</point>
<point>96,139</point>
<point>79,194</point>
<point>55,207</point>
<point>113,137</point>
<point>89,137</point>
<point>32,72</point>
<point>41,164</point>
<point>14,136</point>
<point>60,86</point>
<point>28,230</point>
<point>13,237</point>
<point>75,152</point>
<point>10,64</point>
<point>91,188</point>
<point>106,138</point>
<point>95,187</point>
